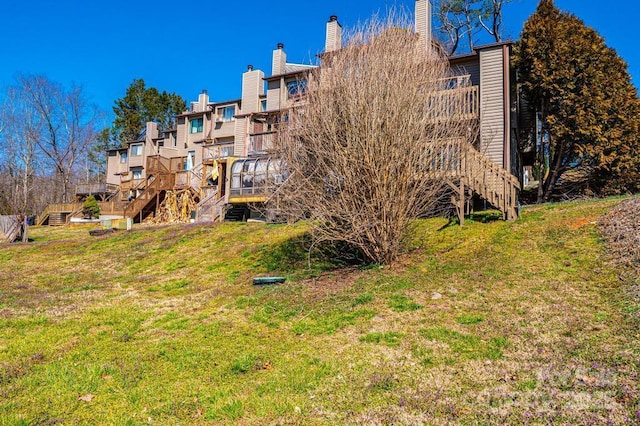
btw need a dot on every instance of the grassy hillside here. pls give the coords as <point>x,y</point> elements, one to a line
<point>490,323</point>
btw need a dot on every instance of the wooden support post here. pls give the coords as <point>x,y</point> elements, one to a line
<point>25,229</point>
<point>461,203</point>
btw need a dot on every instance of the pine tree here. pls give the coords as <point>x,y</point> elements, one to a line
<point>589,107</point>
<point>140,105</point>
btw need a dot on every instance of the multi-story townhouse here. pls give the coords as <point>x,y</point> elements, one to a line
<point>482,85</point>
<point>221,150</point>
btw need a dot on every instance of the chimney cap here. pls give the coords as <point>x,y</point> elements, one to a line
<point>204,91</point>
<point>333,18</point>
<point>250,67</point>
<point>280,46</point>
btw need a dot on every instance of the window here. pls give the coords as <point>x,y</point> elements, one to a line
<point>124,157</point>
<point>263,105</point>
<point>196,125</point>
<point>191,158</point>
<point>296,88</point>
<point>226,151</point>
<point>137,173</point>
<point>226,113</point>
<point>255,176</point>
<point>136,150</point>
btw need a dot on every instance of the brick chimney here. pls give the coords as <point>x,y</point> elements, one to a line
<point>334,35</point>
<point>279,63</point>
<point>423,22</point>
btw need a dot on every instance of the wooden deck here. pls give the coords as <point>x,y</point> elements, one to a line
<point>61,213</point>
<point>457,163</point>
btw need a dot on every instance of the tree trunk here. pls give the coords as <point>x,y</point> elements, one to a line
<point>555,173</point>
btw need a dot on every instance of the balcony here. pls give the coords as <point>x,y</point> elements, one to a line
<point>456,104</point>
<point>261,143</point>
<point>158,164</point>
<point>95,188</point>
<point>215,152</point>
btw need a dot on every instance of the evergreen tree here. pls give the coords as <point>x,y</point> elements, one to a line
<point>140,105</point>
<point>589,107</point>
<point>91,208</point>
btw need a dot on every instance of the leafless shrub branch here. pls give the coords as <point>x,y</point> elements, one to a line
<point>621,228</point>
<point>366,150</point>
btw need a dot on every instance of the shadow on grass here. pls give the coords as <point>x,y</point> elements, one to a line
<point>299,255</point>
<point>486,216</point>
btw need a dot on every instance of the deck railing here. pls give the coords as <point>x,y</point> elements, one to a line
<point>462,103</point>
<point>96,188</point>
<point>261,143</point>
<point>459,163</point>
<point>158,164</point>
<point>215,152</point>
<point>74,209</point>
<point>189,179</point>
<point>157,183</point>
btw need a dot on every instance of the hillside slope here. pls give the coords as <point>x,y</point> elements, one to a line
<point>495,322</point>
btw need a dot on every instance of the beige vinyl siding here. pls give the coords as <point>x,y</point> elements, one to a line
<point>471,67</point>
<point>240,136</point>
<point>273,95</point>
<point>252,89</point>
<point>136,160</point>
<point>225,129</point>
<point>194,137</point>
<point>423,22</point>
<point>279,63</point>
<point>334,36</point>
<point>492,104</point>
<point>113,167</point>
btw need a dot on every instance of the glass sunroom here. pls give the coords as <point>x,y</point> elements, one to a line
<point>252,179</point>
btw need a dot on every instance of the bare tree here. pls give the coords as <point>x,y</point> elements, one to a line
<point>462,21</point>
<point>364,154</point>
<point>66,126</point>
<point>20,130</point>
<point>456,23</point>
<point>491,17</point>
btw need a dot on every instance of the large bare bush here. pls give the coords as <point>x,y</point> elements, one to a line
<point>621,228</point>
<point>363,150</point>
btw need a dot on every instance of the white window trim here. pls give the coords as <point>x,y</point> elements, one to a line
<point>220,112</point>
<point>135,145</point>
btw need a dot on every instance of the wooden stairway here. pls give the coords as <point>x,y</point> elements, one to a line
<point>155,187</point>
<point>469,172</point>
<point>211,209</point>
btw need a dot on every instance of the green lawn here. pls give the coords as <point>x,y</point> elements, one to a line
<point>493,322</point>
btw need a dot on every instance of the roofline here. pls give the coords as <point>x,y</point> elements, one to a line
<point>191,114</point>
<point>289,74</point>
<point>498,44</point>
<point>477,49</point>
<point>232,101</point>
<point>263,113</point>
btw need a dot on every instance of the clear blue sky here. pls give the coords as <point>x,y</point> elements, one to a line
<point>187,47</point>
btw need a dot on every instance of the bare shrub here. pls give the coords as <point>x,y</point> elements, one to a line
<point>621,228</point>
<point>365,149</point>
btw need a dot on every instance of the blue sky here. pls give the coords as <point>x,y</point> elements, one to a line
<point>187,47</point>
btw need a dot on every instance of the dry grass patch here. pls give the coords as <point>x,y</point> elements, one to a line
<point>492,322</point>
